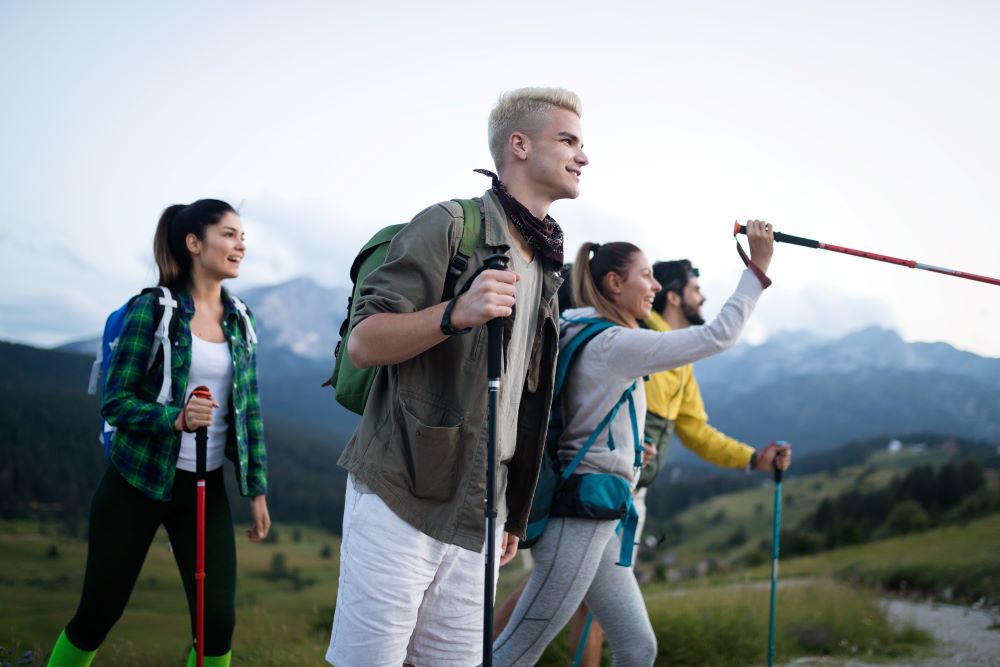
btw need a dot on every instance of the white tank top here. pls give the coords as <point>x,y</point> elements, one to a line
<point>212,367</point>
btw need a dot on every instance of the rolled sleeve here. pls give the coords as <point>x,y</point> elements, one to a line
<point>413,274</point>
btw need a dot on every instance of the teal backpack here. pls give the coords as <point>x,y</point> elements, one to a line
<point>594,496</point>
<point>351,383</point>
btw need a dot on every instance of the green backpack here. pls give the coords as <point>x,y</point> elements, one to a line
<point>351,383</point>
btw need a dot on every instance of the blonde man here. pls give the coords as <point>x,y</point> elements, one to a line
<point>411,580</point>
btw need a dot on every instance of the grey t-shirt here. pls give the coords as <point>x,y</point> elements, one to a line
<point>528,292</point>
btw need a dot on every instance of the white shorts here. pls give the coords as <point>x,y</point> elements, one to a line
<point>404,597</point>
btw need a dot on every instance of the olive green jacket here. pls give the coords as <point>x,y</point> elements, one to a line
<point>421,443</point>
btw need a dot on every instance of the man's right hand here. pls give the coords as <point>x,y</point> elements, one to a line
<point>760,235</point>
<point>491,295</point>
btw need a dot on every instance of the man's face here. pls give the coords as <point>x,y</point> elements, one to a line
<point>692,301</point>
<point>555,157</point>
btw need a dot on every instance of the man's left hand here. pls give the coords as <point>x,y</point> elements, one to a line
<point>775,456</point>
<point>509,548</point>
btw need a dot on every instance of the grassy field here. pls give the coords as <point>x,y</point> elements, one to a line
<point>282,616</point>
<point>733,524</point>
<point>960,563</point>
<point>284,612</point>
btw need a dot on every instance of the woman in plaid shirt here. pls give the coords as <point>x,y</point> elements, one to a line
<point>151,479</point>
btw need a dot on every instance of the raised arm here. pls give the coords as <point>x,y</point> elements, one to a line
<point>633,353</point>
<point>636,352</point>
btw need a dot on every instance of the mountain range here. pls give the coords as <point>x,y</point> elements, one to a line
<point>815,393</point>
<point>811,391</point>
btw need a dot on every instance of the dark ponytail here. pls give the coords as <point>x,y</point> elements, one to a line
<point>593,262</point>
<point>170,243</point>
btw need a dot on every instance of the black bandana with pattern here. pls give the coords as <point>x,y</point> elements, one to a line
<point>544,236</point>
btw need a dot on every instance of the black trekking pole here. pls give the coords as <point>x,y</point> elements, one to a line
<point>494,354</point>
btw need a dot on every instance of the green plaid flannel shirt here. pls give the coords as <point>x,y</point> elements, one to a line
<point>145,447</point>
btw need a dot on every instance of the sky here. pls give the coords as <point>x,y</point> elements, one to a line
<point>866,124</point>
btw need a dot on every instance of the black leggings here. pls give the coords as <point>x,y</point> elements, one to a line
<point>123,522</point>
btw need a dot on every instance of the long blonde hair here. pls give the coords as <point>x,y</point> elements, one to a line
<point>593,262</point>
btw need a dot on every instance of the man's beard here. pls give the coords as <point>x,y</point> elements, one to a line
<point>691,315</point>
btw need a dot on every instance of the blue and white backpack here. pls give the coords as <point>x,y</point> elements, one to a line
<point>166,329</point>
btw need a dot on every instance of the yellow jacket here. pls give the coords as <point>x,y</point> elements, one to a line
<point>674,395</point>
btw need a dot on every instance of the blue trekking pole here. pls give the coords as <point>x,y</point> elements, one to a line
<point>774,563</point>
<point>494,358</point>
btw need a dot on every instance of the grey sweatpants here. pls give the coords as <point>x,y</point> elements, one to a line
<point>575,561</point>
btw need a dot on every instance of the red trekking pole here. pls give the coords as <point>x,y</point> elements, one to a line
<point>909,263</point>
<point>201,453</point>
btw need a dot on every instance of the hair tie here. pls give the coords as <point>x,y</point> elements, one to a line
<point>595,248</point>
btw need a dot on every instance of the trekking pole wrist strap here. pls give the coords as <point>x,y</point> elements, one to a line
<point>184,421</point>
<point>446,328</point>
<point>765,282</point>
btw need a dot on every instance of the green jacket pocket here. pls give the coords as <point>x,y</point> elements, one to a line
<point>431,451</point>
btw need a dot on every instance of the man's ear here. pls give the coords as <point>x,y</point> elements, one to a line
<point>674,299</point>
<point>519,144</point>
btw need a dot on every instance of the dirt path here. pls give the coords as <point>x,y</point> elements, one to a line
<point>963,636</point>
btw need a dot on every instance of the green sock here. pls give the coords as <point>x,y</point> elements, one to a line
<point>64,654</point>
<point>210,660</point>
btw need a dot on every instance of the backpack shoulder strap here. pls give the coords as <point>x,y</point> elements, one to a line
<point>248,330</point>
<point>166,305</point>
<point>471,228</point>
<point>567,355</point>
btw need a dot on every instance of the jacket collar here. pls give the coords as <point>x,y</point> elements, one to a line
<point>496,234</point>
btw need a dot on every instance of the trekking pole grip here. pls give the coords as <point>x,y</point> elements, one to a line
<point>778,472</point>
<point>201,435</point>
<point>496,262</point>
<point>779,237</point>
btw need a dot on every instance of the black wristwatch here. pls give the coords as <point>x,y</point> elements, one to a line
<point>446,327</point>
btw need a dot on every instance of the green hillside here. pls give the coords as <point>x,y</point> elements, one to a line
<point>287,592</point>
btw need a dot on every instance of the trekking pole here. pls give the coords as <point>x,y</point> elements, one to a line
<point>201,453</point>
<point>909,263</point>
<point>494,329</point>
<point>774,561</point>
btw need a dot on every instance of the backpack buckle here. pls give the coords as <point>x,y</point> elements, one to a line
<point>459,264</point>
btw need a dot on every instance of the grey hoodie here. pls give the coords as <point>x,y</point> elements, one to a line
<point>616,358</point>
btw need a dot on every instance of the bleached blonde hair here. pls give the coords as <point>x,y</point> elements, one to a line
<point>521,110</point>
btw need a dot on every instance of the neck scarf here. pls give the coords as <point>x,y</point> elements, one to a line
<point>544,236</point>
